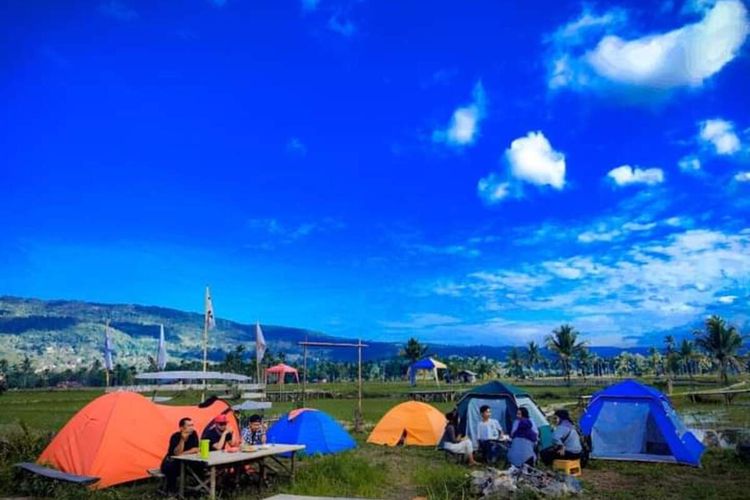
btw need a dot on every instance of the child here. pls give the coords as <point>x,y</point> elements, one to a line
<point>255,432</point>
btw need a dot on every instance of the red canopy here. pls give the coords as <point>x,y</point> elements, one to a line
<point>280,370</point>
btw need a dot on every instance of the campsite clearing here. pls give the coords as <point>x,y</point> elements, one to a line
<point>389,473</point>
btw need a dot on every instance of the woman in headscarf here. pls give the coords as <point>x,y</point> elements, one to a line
<point>522,445</point>
<point>567,441</point>
<point>454,442</point>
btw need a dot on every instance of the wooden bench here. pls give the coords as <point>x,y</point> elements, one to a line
<point>55,474</point>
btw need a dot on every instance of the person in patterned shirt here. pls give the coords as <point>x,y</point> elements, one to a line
<point>255,432</point>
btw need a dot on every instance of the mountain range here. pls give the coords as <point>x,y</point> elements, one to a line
<point>59,334</point>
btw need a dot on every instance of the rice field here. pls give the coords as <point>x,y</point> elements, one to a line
<point>394,473</point>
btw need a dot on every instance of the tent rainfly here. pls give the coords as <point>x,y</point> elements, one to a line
<point>318,431</point>
<point>119,436</point>
<point>280,371</point>
<point>416,423</point>
<point>632,421</point>
<point>428,364</point>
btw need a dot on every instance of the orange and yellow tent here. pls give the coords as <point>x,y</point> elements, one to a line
<point>422,424</point>
<point>119,436</point>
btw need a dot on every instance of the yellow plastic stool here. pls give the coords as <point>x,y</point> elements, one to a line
<point>571,467</point>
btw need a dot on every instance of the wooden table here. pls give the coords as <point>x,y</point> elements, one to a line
<point>221,459</point>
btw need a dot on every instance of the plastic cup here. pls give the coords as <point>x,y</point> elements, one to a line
<point>205,447</point>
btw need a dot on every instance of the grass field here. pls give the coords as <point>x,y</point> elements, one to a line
<point>378,472</point>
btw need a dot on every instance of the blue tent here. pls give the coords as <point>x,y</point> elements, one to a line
<point>429,364</point>
<point>631,421</point>
<point>316,430</point>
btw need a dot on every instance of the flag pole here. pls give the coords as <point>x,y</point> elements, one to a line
<point>205,341</point>
<point>257,356</point>
<point>106,369</point>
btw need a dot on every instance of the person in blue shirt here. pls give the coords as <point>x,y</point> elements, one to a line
<point>567,441</point>
<point>522,413</point>
<point>521,449</point>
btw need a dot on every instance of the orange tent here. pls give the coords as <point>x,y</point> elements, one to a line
<point>422,424</point>
<point>119,436</point>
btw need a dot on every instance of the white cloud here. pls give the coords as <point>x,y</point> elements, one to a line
<point>742,176</point>
<point>674,221</point>
<point>309,5</point>
<point>690,164</point>
<point>529,159</point>
<point>687,56</point>
<point>661,284</point>
<point>636,226</point>
<point>492,189</point>
<point>464,127</point>
<point>720,134</point>
<point>625,175</point>
<point>727,299</point>
<point>533,160</point>
<point>343,27</point>
<point>421,320</point>
<point>296,147</point>
<point>592,236</point>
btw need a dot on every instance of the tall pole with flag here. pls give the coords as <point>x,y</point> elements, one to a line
<point>209,322</point>
<point>161,354</point>
<point>107,354</point>
<point>260,348</point>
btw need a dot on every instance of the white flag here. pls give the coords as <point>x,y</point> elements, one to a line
<point>107,349</point>
<point>210,319</point>
<point>260,343</point>
<point>161,355</point>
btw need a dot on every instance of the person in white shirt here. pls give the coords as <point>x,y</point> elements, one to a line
<point>490,434</point>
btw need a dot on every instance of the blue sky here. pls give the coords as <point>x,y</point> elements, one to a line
<point>467,172</point>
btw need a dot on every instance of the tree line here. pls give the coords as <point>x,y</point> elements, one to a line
<point>714,349</point>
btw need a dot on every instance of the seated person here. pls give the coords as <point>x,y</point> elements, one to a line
<point>521,449</point>
<point>218,434</point>
<point>255,432</point>
<point>490,434</point>
<point>522,413</point>
<point>567,444</point>
<point>454,442</point>
<point>182,442</point>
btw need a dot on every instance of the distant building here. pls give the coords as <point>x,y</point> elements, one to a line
<point>466,377</point>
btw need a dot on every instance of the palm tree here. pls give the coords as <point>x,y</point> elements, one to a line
<point>413,350</point>
<point>515,363</point>
<point>585,360</point>
<point>721,342</point>
<point>533,356</point>
<point>564,343</point>
<point>687,356</point>
<point>670,360</point>
<point>654,359</point>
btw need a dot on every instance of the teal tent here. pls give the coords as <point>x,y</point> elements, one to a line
<point>504,400</point>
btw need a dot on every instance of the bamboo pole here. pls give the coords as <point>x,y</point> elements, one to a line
<point>205,341</point>
<point>358,423</point>
<point>304,373</point>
